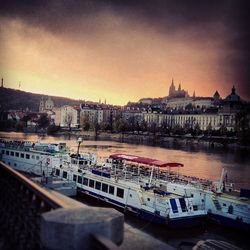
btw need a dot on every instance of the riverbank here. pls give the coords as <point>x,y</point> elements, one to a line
<point>146,138</point>
<point>160,140</point>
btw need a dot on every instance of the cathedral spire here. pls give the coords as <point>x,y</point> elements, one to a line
<point>179,88</point>
<point>233,90</point>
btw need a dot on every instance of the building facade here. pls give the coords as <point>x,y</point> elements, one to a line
<point>67,117</point>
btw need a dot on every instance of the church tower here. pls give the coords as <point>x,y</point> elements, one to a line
<point>171,89</point>
<point>2,83</point>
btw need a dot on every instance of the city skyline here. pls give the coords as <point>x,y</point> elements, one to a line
<point>124,51</point>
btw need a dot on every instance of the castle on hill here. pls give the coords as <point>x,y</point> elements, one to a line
<point>177,93</point>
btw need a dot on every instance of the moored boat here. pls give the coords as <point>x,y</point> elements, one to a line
<point>144,186</point>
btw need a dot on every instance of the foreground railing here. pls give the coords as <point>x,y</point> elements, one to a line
<point>34,218</point>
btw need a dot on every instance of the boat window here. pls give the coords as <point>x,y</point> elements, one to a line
<point>80,162</point>
<point>57,172</point>
<point>27,156</point>
<point>14,164</point>
<point>9,163</point>
<point>65,174</point>
<point>37,157</point>
<point>183,204</point>
<point>86,162</point>
<point>111,189</point>
<point>85,181</point>
<point>22,155</point>
<point>173,206</point>
<point>7,152</point>
<point>120,192</point>
<point>74,177</point>
<point>98,185</point>
<point>11,153</point>
<point>224,204</point>
<point>79,180</point>
<point>148,199</point>
<point>17,154</point>
<point>3,152</point>
<point>104,187</point>
<point>33,157</point>
<point>195,207</point>
<point>91,183</point>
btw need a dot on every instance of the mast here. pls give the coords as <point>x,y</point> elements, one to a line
<point>151,175</point>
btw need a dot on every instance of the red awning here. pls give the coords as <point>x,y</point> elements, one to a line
<point>145,160</point>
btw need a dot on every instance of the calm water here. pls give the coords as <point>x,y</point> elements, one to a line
<point>203,163</point>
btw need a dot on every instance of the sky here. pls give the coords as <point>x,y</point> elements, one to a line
<point>125,50</point>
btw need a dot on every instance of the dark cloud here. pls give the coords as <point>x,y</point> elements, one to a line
<point>202,19</point>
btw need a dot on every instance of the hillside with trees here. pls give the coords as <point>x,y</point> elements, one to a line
<point>11,99</point>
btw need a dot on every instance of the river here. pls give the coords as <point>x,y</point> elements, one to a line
<point>201,162</point>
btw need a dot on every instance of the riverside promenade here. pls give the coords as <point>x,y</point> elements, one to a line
<point>34,218</point>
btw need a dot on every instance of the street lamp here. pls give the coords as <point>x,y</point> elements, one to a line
<point>79,140</point>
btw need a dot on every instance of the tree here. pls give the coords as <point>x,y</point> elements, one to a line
<point>223,129</point>
<point>85,122</point>
<point>144,126</point>
<point>209,129</point>
<point>52,129</point>
<point>197,129</point>
<point>68,120</point>
<point>120,125</point>
<point>242,125</point>
<point>43,121</point>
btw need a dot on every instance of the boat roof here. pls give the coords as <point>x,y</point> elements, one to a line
<point>145,160</point>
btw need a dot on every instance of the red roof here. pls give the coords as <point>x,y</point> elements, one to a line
<point>145,160</point>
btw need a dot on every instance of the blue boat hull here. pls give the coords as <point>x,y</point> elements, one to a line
<point>152,217</point>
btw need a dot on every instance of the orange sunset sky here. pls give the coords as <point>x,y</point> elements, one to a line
<point>122,52</point>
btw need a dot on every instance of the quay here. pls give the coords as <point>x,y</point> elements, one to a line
<point>32,217</point>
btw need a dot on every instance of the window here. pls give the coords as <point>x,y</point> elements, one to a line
<point>58,172</point>
<point>22,155</point>
<point>3,151</point>
<point>120,192</point>
<point>14,164</point>
<point>79,180</point>
<point>7,152</point>
<point>111,189</point>
<point>65,174</point>
<point>11,153</point>
<point>98,185</point>
<point>85,181</point>
<point>33,157</point>
<point>27,156</point>
<point>17,154</point>
<point>74,177</point>
<point>37,157</point>
<point>104,187</point>
<point>91,183</point>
